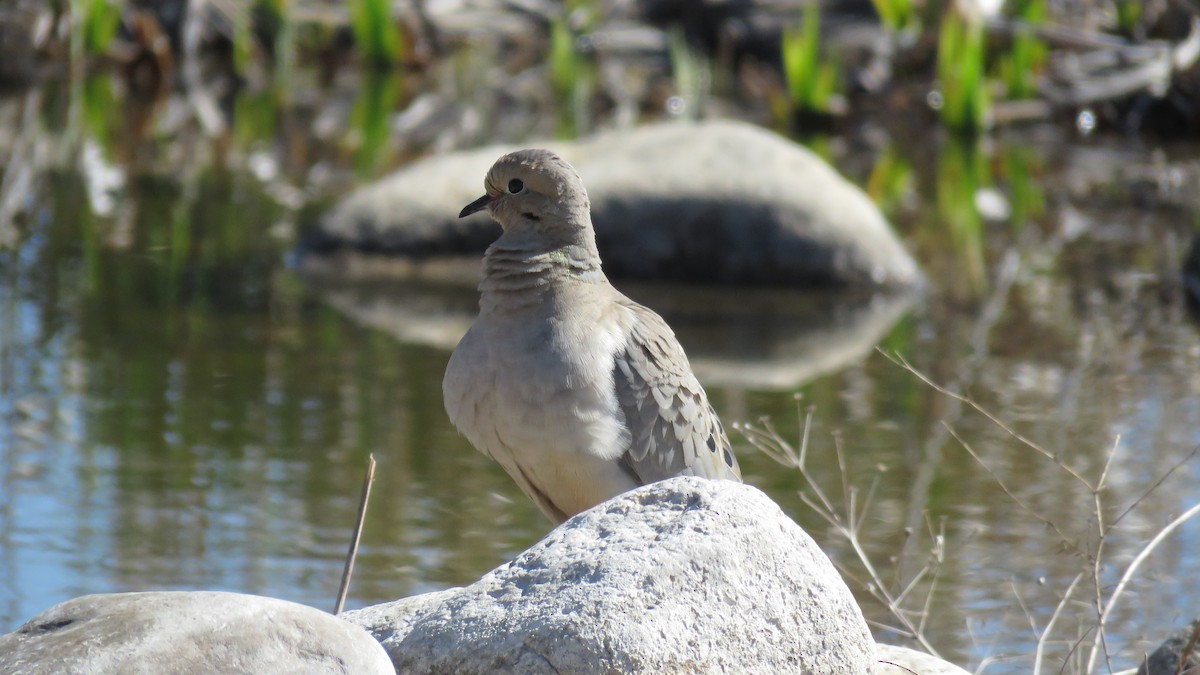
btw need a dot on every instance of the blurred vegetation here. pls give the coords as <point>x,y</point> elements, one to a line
<point>572,73</point>
<point>897,15</point>
<point>962,171</point>
<point>961,77</point>
<point>980,62</point>
<point>691,73</point>
<point>1129,15</point>
<point>371,120</point>
<point>1022,171</point>
<point>564,59</point>
<point>891,182</point>
<point>1020,66</point>
<point>379,39</point>
<point>811,80</point>
<point>242,40</point>
<point>97,22</point>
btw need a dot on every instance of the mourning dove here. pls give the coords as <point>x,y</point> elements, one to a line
<point>577,391</point>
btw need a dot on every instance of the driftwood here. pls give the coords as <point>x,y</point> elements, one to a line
<point>1088,68</point>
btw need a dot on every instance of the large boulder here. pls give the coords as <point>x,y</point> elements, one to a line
<point>685,575</point>
<point>188,632</point>
<point>714,201</point>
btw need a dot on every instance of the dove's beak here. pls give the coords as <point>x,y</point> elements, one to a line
<point>476,206</point>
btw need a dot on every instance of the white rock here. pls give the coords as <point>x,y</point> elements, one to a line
<point>685,575</point>
<point>188,632</point>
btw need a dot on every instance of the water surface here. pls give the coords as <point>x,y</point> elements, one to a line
<point>179,409</point>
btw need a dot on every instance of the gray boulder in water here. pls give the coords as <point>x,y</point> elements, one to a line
<point>710,202</point>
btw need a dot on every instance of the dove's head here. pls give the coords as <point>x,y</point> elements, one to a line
<point>535,191</point>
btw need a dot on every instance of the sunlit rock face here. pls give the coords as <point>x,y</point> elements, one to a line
<point>197,632</point>
<point>683,575</point>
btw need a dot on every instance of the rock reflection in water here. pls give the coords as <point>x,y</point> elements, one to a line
<point>766,339</point>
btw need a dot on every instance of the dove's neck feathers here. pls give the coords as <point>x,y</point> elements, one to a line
<point>526,264</point>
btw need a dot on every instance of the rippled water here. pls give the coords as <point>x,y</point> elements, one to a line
<point>180,410</point>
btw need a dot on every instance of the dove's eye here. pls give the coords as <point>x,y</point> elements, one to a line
<point>515,186</point>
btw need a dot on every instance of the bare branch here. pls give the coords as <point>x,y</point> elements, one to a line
<point>1041,643</point>
<point>1132,569</point>
<point>900,361</point>
<point>1157,483</point>
<point>1003,486</point>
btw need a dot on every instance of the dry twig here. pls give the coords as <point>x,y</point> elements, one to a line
<point>1101,606</point>
<point>348,569</point>
<point>847,520</point>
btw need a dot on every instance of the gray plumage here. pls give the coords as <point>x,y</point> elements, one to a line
<point>576,390</point>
